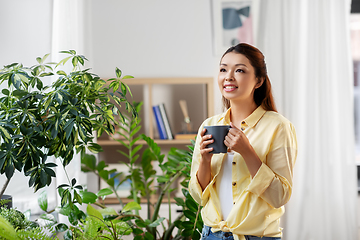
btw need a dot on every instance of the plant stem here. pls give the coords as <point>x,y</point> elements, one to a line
<point>169,204</point>
<point>197,215</point>
<point>167,233</point>
<point>118,197</point>
<point>157,206</point>
<point>4,187</point>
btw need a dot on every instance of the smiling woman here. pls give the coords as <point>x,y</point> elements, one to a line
<point>256,172</point>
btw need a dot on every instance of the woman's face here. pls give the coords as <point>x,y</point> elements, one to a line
<point>236,79</point>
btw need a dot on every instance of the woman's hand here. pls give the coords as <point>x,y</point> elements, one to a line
<point>205,140</point>
<point>237,141</point>
<point>204,171</point>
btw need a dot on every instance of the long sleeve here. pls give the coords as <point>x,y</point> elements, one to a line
<point>273,181</point>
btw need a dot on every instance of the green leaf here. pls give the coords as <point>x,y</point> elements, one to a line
<point>95,148</point>
<point>46,74</point>
<point>6,92</point>
<point>89,161</point>
<point>5,133</point>
<point>77,197</point>
<point>91,211</point>
<point>157,222</point>
<point>16,81</point>
<point>108,211</point>
<point>140,223</point>
<point>59,98</point>
<point>131,206</point>
<point>196,235</point>
<point>179,201</point>
<point>148,236</point>
<point>190,215</point>
<point>68,235</point>
<point>42,201</point>
<point>191,205</point>
<point>75,61</point>
<point>137,231</point>
<point>187,224</point>
<point>118,73</point>
<point>61,227</point>
<point>104,192</point>
<point>88,197</point>
<point>187,232</point>
<point>73,182</point>
<point>61,72</point>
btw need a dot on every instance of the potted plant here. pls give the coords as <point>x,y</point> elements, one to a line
<point>146,182</point>
<point>38,121</point>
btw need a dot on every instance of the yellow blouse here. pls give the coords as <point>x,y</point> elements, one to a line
<point>259,201</point>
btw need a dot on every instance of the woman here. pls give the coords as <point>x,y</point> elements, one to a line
<point>243,192</point>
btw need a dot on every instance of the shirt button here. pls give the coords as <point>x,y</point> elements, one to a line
<point>242,129</point>
<point>243,122</point>
<point>233,163</point>
<point>234,203</point>
<point>234,183</point>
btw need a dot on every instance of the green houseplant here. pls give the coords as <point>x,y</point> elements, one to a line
<point>38,121</point>
<point>146,182</point>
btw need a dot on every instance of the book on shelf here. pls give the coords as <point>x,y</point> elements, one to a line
<point>159,122</point>
<point>166,121</point>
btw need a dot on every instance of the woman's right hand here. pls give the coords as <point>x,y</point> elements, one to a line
<point>204,171</point>
<point>205,140</point>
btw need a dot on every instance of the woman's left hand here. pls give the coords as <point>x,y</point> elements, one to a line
<point>237,141</point>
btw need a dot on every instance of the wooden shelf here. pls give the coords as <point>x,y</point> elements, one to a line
<point>109,201</point>
<point>158,141</point>
<point>152,82</point>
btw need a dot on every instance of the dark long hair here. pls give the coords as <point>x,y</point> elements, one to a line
<point>263,94</point>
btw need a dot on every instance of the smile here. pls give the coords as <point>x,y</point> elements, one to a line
<point>229,88</point>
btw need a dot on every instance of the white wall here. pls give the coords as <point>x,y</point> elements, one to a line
<point>25,29</point>
<point>158,38</point>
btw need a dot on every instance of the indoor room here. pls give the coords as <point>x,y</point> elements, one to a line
<point>101,103</point>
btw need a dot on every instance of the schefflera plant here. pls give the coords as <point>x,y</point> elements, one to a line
<point>38,121</point>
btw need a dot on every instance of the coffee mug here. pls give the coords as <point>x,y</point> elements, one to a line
<point>218,133</point>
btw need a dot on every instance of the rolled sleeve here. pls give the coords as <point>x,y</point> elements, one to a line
<point>200,196</point>
<point>261,180</point>
<point>273,181</point>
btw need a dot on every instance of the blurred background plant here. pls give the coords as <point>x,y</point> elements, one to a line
<point>148,184</point>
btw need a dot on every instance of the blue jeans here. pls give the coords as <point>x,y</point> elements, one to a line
<point>207,234</point>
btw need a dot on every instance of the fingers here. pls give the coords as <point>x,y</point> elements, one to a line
<point>205,140</point>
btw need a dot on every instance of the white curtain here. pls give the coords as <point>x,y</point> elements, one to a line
<point>70,32</point>
<point>307,48</point>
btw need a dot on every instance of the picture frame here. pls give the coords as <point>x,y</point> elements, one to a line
<point>123,190</point>
<point>232,22</point>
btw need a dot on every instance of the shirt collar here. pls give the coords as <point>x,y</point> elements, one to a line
<point>251,120</point>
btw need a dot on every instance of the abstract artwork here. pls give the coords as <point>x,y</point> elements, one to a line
<point>232,23</point>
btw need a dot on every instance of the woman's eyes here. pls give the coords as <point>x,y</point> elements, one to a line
<point>237,70</point>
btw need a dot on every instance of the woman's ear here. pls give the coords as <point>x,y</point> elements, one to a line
<point>259,83</point>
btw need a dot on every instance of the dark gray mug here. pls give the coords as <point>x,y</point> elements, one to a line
<point>218,133</point>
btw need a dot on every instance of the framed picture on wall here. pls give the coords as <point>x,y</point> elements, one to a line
<point>123,189</point>
<point>232,22</point>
